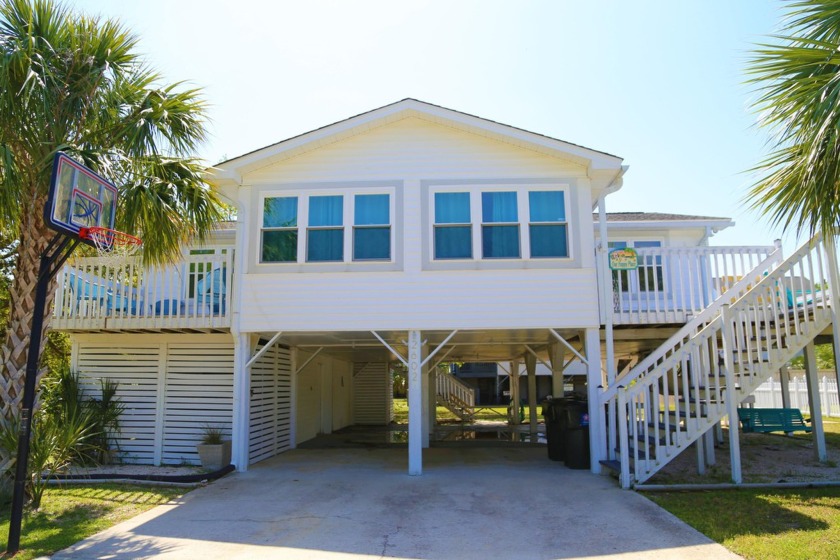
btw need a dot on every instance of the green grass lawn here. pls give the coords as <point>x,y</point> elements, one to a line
<point>69,514</point>
<point>498,413</point>
<point>763,524</point>
<point>766,523</point>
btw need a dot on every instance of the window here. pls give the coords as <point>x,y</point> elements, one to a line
<point>648,277</point>
<point>452,230</point>
<point>548,228</point>
<point>372,230</point>
<point>279,232</point>
<point>499,225</point>
<point>324,227</point>
<point>325,234</point>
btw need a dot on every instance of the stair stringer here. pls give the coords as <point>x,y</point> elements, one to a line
<point>684,390</point>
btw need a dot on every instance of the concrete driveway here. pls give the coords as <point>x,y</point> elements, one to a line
<point>360,503</point>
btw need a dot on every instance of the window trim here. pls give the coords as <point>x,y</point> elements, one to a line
<point>522,189</point>
<point>348,195</point>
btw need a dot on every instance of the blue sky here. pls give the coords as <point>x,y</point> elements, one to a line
<point>659,83</point>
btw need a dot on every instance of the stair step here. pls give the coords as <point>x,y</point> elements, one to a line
<point>611,464</point>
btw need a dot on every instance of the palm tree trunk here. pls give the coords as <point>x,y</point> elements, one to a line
<point>34,237</point>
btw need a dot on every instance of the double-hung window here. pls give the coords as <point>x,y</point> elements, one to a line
<point>324,227</point>
<point>372,227</point>
<point>499,225</point>
<point>325,234</point>
<point>453,230</point>
<point>280,230</point>
<point>548,228</point>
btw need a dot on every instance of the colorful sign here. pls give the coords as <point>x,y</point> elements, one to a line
<point>624,259</point>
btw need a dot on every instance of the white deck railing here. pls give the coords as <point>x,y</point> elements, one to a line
<point>672,284</point>
<point>453,389</point>
<point>94,294</point>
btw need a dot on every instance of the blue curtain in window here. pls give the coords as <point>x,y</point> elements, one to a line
<point>280,212</point>
<point>325,245</point>
<point>547,206</point>
<point>452,208</point>
<point>499,207</point>
<point>453,242</point>
<point>326,211</point>
<point>372,210</point>
<point>549,241</point>
<point>500,242</point>
<point>372,243</point>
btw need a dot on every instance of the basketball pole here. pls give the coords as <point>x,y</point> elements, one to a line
<point>53,258</point>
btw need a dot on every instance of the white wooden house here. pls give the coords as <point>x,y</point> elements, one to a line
<point>420,234</point>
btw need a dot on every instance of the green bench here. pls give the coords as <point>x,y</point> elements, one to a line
<point>772,420</point>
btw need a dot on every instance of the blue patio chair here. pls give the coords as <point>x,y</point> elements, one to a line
<point>211,290</point>
<point>168,307</point>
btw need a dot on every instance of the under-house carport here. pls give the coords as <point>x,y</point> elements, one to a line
<point>342,378</point>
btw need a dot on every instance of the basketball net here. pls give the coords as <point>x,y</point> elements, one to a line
<point>113,246</point>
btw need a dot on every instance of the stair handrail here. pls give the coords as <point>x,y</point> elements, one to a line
<point>745,301</point>
<point>448,384</point>
<point>769,264</point>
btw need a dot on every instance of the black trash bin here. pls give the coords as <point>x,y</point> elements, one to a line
<point>552,412</point>
<point>574,427</point>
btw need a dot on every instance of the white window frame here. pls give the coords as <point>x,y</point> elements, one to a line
<point>348,224</point>
<point>523,220</point>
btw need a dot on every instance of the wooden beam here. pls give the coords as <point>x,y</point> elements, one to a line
<point>264,349</point>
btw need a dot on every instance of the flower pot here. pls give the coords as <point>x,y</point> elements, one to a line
<point>214,456</point>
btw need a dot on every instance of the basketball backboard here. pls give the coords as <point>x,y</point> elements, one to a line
<point>79,198</point>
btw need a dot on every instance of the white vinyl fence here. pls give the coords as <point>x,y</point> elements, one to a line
<point>769,394</point>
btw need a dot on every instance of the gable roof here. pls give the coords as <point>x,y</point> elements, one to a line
<point>603,168</point>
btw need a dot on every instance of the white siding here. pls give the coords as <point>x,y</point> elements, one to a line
<point>414,155</point>
<point>170,385</point>
<point>413,148</point>
<point>372,393</point>
<point>433,300</point>
<point>270,404</point>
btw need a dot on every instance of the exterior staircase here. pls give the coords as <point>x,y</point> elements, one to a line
<point>456,396</point>
<point>682,390</point>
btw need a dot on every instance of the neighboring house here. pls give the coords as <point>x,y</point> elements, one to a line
<point>421,234</point>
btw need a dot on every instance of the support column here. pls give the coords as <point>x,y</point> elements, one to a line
<point>597,435</point>
<point>812,379</point>
<point>415,404</point>
<point>427,401</point>
<point>241,401</point>
<point>557,357</point>
<point>514,391</point>
<point>784,379</point>
<point>431,374</point>
<point>531,368</point>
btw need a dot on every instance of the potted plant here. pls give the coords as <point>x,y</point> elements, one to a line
<point>214,450</point>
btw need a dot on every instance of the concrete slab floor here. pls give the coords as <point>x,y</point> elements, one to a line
<point>360,504</point>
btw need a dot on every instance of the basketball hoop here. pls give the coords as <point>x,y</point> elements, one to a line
<point>113,246</point>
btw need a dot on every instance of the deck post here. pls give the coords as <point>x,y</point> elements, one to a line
<point>784,379</point>
<point>597,421</point>
<point>241,400</point>
<point>431,376</point>
<point>731,396</point>
<point>514,391</point>
<point>428,400</point>
<point>557,357</point>
<point>813,382</point>
<point>834,290</point>
<point>415,404</point>
<point>531,368</point>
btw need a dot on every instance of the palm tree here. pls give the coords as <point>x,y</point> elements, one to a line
<point>798,80</point>
<point>76,84</point>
